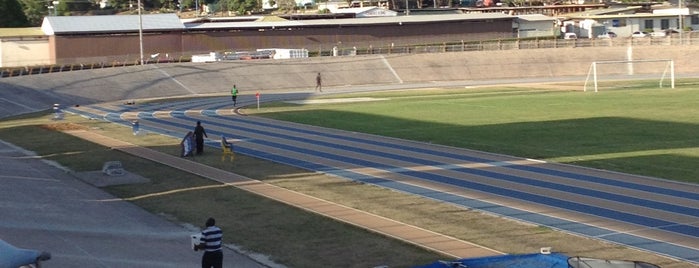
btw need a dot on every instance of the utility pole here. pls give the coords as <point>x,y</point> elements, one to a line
<point>140,31</point>
<point>681,26</point>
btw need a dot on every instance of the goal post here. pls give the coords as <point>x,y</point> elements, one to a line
<point>623,71</point>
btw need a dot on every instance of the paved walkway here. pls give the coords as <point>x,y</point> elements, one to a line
<point>45,208</point>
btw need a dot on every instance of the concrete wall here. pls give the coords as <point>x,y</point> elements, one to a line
<point>90,49</point>
<point>24,51</point>
<point>527,63</point>
<point>37,92</point>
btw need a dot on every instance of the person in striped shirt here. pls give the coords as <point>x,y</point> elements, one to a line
<point>211,238</point>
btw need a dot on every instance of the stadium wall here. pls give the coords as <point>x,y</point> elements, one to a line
<point>339,73</point>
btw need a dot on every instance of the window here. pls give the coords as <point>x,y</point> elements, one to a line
<point>695,19</point>
<point>648,24</point>
<point>664,24</point>
<point>618,23</point>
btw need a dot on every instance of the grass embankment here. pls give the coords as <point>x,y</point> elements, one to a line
<point>646,132</point>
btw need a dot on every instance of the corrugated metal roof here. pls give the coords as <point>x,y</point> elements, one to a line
<point>53,25</point>
<point>349,22</point>
<point>604,11</point>
<point>157,22</point>
<point>535,17</point>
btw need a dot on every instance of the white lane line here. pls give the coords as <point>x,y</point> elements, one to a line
<point>175,80</point>
<point>391,69</point>
<point>28,178</point>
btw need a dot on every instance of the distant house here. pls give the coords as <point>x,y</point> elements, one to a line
<point>367,12</point>
<point>333,5</point>
<point>534,25</point>
<point>305,3</point>
<point>77,39</point>
<point>626,20</point>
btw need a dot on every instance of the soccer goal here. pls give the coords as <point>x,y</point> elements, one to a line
<point>630,74</point>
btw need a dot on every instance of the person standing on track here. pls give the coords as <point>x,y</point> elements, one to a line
<point>211,238</point>
<point>199,134</point>
<point>234,94</point>
<point>319,83</point>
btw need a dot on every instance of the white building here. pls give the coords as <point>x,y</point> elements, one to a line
<point>23,47</point>
<point>534,25</point>
<point>625,21</point>
<point>367,12</point>
<point>333,5</point>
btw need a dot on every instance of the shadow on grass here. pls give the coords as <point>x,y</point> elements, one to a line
<point>545,139</point>
<point>669,166</point>
<point>589,136</point>
<point>540,140</point>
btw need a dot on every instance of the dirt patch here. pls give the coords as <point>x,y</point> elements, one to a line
<point>64,126</point>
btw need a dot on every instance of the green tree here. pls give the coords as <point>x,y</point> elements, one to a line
<point>11,14</point>
<point>242,6</point>
<point>35,11</point>
<point>62,8</point>
<point>286,6</point>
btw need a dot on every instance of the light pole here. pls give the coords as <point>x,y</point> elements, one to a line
<point>52,8</point>
<point>140,31</point>
<point>681,25</point>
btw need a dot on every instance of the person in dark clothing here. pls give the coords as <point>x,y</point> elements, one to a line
<point>319,83</point>
<point>199,134</point>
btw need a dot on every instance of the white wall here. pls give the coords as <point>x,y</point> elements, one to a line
<point>535,29</point>
<point>24,51</point>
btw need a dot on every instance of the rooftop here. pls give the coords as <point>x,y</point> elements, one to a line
<point>17,32</point>
<point>110,23</point>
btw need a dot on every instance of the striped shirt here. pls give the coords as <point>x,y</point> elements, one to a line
<point>211,237</point>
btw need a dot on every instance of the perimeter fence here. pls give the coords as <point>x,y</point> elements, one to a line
<point>689,39</point>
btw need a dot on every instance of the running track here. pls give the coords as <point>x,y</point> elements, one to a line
<point>646,213</point>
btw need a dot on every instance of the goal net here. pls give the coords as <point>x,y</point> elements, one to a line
<point>630,74</point>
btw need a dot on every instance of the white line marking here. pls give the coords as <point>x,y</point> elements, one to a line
<point>536,160</point>
<point>175,80</point>
<point>18,104</point>
<point>391,68</point>
<point>27,178</point>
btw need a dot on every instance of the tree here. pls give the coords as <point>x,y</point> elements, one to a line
<point>286,6</point>
<point>35,10</point>
<point>242,6</point>
<point>11,14</point>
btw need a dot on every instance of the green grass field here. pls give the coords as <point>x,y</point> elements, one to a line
<point>646,131</point>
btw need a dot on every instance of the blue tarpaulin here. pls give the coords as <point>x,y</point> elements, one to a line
<point>538,260</point>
